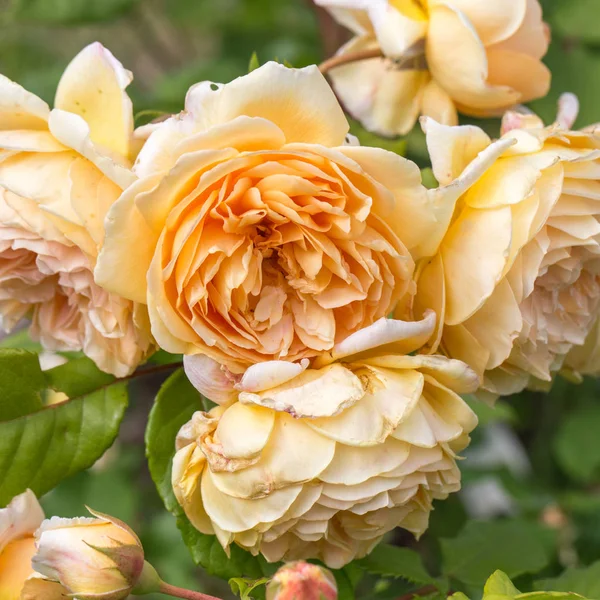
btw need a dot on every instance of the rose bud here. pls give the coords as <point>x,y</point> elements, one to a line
<point>100,559</point>
<point>302,580</point>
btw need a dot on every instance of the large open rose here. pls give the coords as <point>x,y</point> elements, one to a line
<point>60,170</point>
<point>321,461</point>
<point>516,280</point>
<point>477,56</point>
<point>254,233</point>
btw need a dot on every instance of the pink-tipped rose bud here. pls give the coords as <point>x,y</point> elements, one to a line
<point>302,580</point>
<point>99,558</point>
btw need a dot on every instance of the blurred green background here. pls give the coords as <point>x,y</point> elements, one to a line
<point>541,452</point>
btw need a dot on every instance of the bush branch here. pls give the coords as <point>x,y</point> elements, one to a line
<point>349,57</point>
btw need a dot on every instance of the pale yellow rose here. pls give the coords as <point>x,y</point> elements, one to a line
<point>18,523</point>
<point>60,170</point>
<point>254,233</point>
<point>515,281</point>
<point>479,57</point>
<point>98,558</point>
<point>321,460</point>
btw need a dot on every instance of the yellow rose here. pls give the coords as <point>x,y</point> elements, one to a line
<point>321,461</point>
<point>99,558</point>
<point>254,233</point>
<point>515,280</point>
<point>60,170</point>
<point>18,523</point>
<point>479,57</point>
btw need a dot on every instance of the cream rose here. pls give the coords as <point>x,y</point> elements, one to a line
<point>254,233</point>
<point>60,170</point>
<point>515,280</point>
<point>18,523</point>
<point>321,460</point>
<point>479,57</point>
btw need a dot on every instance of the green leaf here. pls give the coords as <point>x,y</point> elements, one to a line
<point>576,444</point>
<point>39,450</point>
<point>175,404</point>
<point>392,561</point>
<point>458,596</point>
<point>70,12</point>
<point>21,383</point>
<point>499,584</point>
<point>549,596</point>
<point>515,547</point>
<point>584,581</point>
<point>254,63</point>
<point>77,377</point>
<point>242,587</point>
<point>344,585</point>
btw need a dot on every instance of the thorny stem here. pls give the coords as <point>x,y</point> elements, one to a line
<point>177,592</point>
<point>349,57</point>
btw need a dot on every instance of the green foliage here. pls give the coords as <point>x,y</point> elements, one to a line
<point>500,587</point>
<point>22,383</point>
<point>391,561</point>
<point>254,63</point>
<point>70,12</point>
<point>576,444</point>
<point>243,587</point>
<point>584,581</point>
<point>175,404</point>
<point>40,449</point>
<point>514,546</point>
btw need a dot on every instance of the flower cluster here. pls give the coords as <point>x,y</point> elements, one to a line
<point>329,304</point>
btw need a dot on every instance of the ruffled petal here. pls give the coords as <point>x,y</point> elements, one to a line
<point>298,101</point>
<point>93,87</point>
<point>457,61</point>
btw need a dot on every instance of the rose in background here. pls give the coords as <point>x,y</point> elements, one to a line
<point>321,460</point>
<point>255,232</point>
<point>302,580</point>
<point>18,523</point>
<point>60,171</point>
<point>515,280</point>
<point>479,58</point>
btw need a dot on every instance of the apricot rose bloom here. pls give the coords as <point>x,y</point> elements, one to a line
<point>254,233</point>
<point>477,57</point>
<point>516,281</point>
<point>60,170</point>
<point>320,461</point>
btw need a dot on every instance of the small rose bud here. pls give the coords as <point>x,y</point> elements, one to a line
<point>100,559</point>
<point>302,580</point>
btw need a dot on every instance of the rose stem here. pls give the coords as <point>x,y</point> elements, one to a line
<point>177,592</point>
<point>343,59</point>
